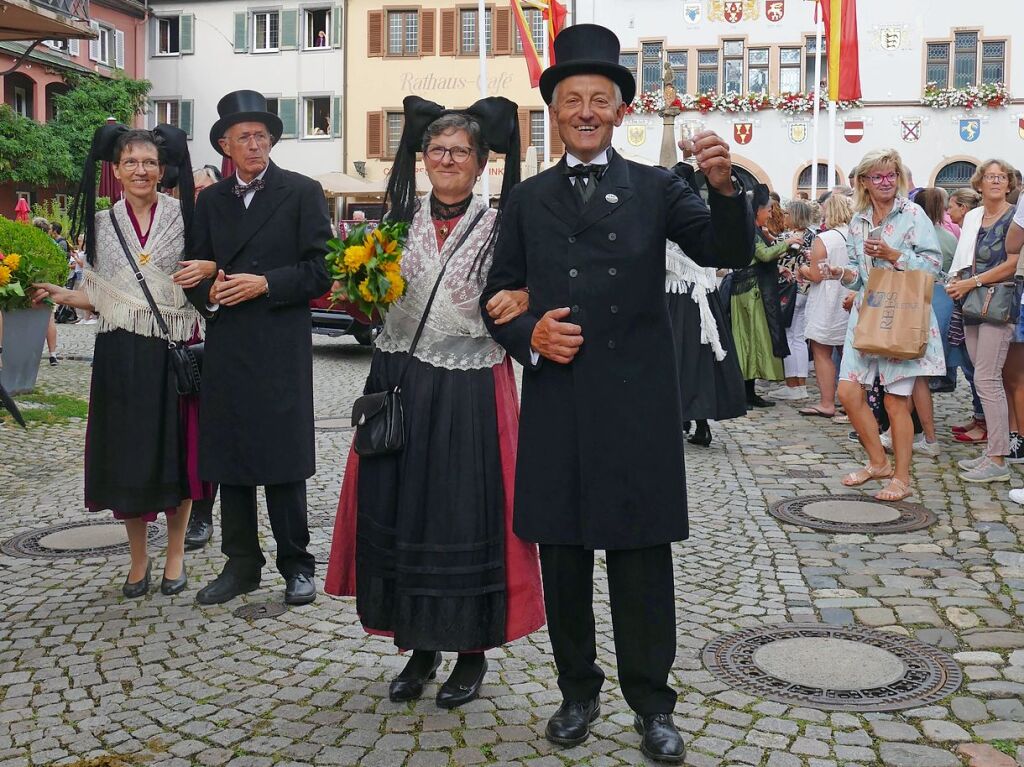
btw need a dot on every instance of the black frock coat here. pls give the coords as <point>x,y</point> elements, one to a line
<point>600,461</point>
<point>256,406</point>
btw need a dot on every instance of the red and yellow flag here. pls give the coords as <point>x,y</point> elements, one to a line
<point>840,18</point>
<point>554,16</point>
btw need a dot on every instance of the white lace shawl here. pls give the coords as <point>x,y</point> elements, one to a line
<point>455,337</point>
<point>111,284</point>
<point>683,275</point>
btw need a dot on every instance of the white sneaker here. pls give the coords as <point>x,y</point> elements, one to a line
<point>886,439</point>
<point>1017,495</point>
<point>788,393</point>
<point>925,447</point>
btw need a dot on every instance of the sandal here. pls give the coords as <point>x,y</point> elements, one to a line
<point>896,490</point>
<point>966,436</point>
<point>815,410</point>
<point>868,473</point>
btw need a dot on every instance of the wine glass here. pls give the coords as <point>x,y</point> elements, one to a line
<point>688,131</point>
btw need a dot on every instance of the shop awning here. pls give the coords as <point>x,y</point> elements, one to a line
<point>339,184</point>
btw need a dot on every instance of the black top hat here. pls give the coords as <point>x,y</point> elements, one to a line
<point>240,107</point>
<point>587,49</point>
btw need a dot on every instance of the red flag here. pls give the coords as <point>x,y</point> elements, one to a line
<point>555,15</point>
<point>530,53</point>
<point>840,18</point>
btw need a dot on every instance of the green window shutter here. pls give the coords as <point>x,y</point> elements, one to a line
<point>286,111</point>
<point>336,117</point>
<point>241,32</point>
<point>186,23</point>
<point>185,117</point>
<point>289,30</point>
<point>336,15</point>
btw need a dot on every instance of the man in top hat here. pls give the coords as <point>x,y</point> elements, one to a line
<point>600,462</point>
<point>266,228</point>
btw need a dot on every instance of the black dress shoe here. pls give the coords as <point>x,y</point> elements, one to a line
<point>171,586</point>
<point>139,588</point>
<point>570,725</point>
<point>661,740</point>
<point>409,684</point>
<point>702,436</point>
<point>457,689</point>
<point>226,587</point>
<point>198,534</point>
<point>759,401</point>
<point>299,589</point>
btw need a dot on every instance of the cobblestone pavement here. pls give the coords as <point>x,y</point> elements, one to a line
<point>84,673</point>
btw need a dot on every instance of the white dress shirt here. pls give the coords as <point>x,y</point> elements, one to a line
<point>247,198</point>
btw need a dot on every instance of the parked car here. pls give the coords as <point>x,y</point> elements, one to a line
<point>340,319</point>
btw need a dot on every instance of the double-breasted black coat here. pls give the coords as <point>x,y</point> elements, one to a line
<point>600,459</point>
<point>256,406</point>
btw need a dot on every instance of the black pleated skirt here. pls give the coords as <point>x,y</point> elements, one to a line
<point>134,449</point>
<point>710,389</point>
<point>430,566</point>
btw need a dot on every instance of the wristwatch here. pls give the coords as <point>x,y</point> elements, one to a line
<point>977,280</point>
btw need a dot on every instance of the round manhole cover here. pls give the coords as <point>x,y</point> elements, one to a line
<point>76,540</point>
<point>833,668</point>
<point>256,610</point>
<point>852,514</point>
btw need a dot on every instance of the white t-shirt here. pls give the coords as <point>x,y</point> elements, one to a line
<point>1018,217</point>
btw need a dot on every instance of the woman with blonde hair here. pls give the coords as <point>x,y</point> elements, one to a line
<point>826,317</point>
<point>982,259</point>
<point>962,202</point>
<point>887,231</point>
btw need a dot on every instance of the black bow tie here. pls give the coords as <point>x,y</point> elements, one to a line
<point>585,171</point>
<point>241,190</point>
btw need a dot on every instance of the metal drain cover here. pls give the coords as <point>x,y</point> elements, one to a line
<point>832,667</point>
<point>256,610</point>
<point>852,514</point>
<point>77,540</point>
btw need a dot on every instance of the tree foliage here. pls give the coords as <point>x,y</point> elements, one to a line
<point>89,102</point>
<point>31,153</point>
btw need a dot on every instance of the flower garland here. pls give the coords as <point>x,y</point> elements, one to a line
<point>653,102</point>
<point>992,95</point>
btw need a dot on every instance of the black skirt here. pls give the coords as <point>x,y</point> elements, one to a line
<point>134,450</point>
<point>430,560</point>
<point>709,389</point>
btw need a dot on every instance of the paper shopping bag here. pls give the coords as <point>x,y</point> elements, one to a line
<point>895,315</point>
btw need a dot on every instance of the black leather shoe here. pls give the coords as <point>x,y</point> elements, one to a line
<point>226,587</point>
<point>661,740</point>
<point>139,588</point>
<point>758,401</point>
<point>570,725</point>
<point>409,685</point>
<point>299,590</point>
<point>455,691</point>
<point>197,534</point>
<point>171,586</point>
<point>702,436</point>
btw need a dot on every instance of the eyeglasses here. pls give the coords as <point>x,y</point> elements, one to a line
<point>882,178</point>
<point>994,177</point>
<point>260,138</point>
<point>147,165</point>
<point>458,154</point>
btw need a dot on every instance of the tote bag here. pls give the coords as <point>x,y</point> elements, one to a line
<point>895,315</point>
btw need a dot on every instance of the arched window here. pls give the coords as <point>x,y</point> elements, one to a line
<point>956,175</point>
<point>804,183</point>
<point>19,94</point>
<point>54,89</point>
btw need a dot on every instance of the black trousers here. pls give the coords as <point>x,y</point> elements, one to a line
<point>286,504</point>
<point>202,510</point>
<point>642,596</point>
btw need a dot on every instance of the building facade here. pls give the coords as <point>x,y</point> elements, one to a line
<point>29,89</point>
<point>292,52</point>
<point>750,47</point>
<point>430,50</point>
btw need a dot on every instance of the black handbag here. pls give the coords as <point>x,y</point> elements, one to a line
<point>379,419</point>
<point>787,302</point>
<point>995,304</point>
<point>186,361</point>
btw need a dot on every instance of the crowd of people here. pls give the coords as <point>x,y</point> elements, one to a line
<point>477,522</point>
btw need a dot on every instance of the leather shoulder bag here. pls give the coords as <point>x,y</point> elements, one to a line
<point>379,419</point>
<point>996,304</point>
<point>186,361</point>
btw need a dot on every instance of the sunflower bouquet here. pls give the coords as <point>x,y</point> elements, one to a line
<point>27,255</point>
<point>367,265</point>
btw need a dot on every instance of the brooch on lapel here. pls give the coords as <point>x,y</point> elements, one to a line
<point>143,259</point>
<point>611,198</point>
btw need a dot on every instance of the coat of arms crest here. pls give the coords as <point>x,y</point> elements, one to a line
<point>636,135</point>
<point>733,11</point>
<point>798,132</point>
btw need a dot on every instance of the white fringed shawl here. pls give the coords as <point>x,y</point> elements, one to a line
<point>111,284</point>
<point>683,275</point>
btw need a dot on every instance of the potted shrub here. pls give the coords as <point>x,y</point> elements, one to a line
<point>27,255</point>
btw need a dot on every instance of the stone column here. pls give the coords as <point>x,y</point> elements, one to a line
<point>669,155</point>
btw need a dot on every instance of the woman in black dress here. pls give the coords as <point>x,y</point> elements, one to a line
<point>136,457</point>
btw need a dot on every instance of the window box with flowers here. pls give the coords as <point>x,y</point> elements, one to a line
<point>653,102</point>
<point>27,255</point>
<point>991,95</point>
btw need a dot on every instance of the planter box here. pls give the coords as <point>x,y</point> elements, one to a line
<point>24,334</point>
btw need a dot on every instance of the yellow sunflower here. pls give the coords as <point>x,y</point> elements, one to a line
<point>356,256</point>
<point>12,261</point>
<point>5,275</point>
<point>396,289</point>
<point>387,245</point>
<point>364,291</point>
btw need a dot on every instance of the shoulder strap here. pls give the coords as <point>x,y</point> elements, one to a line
<point>142,281</point>
<point>433,293</point>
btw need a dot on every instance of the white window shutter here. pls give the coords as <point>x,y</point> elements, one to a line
<point>94,44</point>
<point>73,47</point>
<point>119,49</point>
